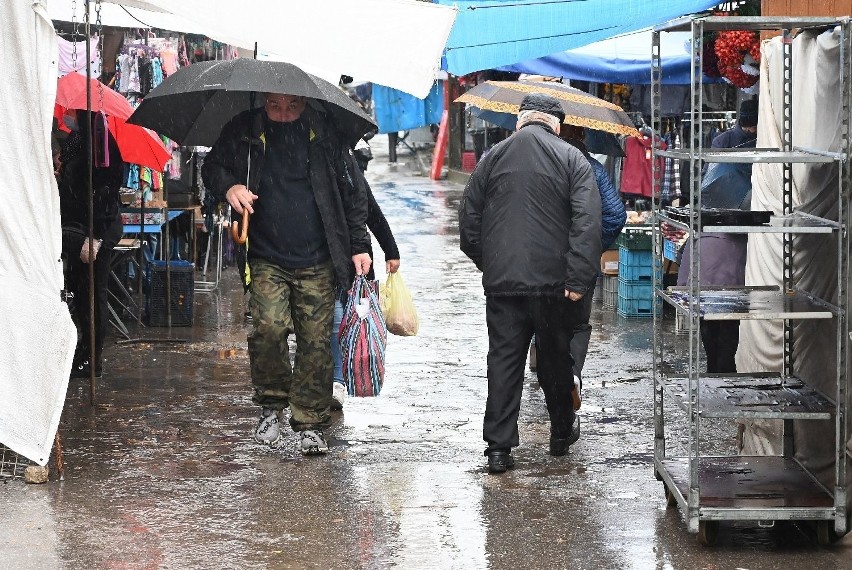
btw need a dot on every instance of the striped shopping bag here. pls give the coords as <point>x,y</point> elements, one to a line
<point>363,336</point>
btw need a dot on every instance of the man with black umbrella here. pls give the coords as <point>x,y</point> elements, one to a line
<point>530,219</point>
<point>307,239</point>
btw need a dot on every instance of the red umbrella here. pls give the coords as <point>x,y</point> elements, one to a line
<point>137,145</point>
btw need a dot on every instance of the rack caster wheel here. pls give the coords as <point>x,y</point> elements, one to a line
<point>671,500</point>
<point>708,532</point>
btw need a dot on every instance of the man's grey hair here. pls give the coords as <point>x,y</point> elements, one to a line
<point>531,116</point>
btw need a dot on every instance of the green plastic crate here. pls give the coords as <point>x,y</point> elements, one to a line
<point>636,237</point>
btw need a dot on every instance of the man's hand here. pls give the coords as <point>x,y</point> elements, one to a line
<point>392,265</point>
<point>240,197</point>
<point>362,263</point>
<point>573,296</point>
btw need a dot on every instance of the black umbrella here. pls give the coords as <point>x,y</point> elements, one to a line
<point>193,105</point>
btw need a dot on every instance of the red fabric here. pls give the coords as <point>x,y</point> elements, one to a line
<point>636,171</point>
<point>71,94</point>
<point>137,145</point>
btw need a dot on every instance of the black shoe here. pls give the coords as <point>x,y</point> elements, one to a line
<point>500,461</point>
<point>559,445</point>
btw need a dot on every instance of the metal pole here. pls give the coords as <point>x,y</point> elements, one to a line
<point>91,196</point>
<point>659,427</point>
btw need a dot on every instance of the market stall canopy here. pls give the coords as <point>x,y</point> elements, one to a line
<point>490,33</point>
<point>623,59</point>
<point>397,43</point>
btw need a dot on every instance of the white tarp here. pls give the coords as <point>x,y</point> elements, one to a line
<point>397,43</point>
<point>39,336</point>
<point>817,109</point>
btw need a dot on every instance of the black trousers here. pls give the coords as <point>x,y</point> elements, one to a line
<point>720,340</point>
<point>77,282</point>
<point>582,334</point>
<point>511,323</point>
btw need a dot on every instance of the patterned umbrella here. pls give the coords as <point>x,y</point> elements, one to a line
<point>581,109</point>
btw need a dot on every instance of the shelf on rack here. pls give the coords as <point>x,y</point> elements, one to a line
<point>751,156</point>
<point>748,303</point>
<point>684,24</point>
<point>753,396</point>
<point>796,223</point>
<point>743,482</point>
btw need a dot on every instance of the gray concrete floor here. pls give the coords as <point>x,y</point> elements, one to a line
<point>162,472</point>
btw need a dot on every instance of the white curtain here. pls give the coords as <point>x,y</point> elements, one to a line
<point>39,336</point>
<point>817,108</point>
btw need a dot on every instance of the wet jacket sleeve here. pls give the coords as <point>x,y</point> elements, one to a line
<point>378,225</point>
<point>613,213</point>
<point>584,241</point>
<point>219,169</point>
<point>470,214</point>
<point>353,191</point>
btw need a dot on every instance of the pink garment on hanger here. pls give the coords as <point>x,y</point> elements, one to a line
<point>168,57</point>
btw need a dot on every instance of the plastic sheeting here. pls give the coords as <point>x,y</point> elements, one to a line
<point>816,124</point>
<point>489,33</point>
<point>624,59</point>
<point>391,42</point>
<point>39,336</point>
<point>398,111</point>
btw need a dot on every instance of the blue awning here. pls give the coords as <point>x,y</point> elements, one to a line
<point>492,33</point>
<point>624,59</point>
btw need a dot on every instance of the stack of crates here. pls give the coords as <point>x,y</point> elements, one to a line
<point>635,273</point>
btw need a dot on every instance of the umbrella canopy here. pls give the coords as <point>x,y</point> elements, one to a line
<point>136,144</point>
<point>597,142</point>
<point>194,104</point>
<point>581,109</point>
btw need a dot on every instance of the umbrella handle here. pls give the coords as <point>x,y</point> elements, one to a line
<point>240,237</point>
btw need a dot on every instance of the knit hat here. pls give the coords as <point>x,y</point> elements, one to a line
<point>544,104</point>
<point>748,113</point>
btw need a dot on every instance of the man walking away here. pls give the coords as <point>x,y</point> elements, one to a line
<point>530,220</point>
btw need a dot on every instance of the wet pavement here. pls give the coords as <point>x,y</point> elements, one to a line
<point>162,472</point>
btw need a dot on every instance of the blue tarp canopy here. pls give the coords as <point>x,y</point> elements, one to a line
<point>399,111</point>
<point>624,59</point>
<point>494,33</point>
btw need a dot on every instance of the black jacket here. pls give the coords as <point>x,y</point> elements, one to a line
<point>530,217</point>
<point>339,187</point>
<point>74,193</point>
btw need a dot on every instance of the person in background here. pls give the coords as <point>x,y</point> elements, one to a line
<point>723,256</point>
<point>378,225</point>
<point>530,219</point>
<point>107,175</point>
<point>613,217</point>
<point>307,240</point>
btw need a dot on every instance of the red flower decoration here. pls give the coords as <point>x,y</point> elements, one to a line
<point>731,48</point>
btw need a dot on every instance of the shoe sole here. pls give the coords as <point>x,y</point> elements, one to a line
<point>314,450</point>
<point>274,444</point>
<point>500,468</point>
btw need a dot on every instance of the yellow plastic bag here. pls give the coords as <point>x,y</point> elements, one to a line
<point>397,307</point>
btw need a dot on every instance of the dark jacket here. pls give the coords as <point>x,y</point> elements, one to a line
<point>379,227</point>
<point>74,193</point>
<point>613,213</point>
<point>339,187</point>
<point>530,217</point>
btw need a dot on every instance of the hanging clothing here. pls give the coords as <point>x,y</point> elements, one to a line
<point>67,61</point>
<point>636,173</point>
<point>671,177</point>
<point>169,58</point>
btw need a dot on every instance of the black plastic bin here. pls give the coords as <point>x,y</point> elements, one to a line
<point>182,285</point>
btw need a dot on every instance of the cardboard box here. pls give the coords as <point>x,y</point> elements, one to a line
<point>609,262</point>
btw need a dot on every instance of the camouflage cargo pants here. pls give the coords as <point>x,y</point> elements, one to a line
<point>299,301</point>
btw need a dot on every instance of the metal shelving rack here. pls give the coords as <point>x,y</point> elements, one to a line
<point>743,488</point>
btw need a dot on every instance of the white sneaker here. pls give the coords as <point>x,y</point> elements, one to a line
<point>338,395</point>
<point>268,430</point>
<point>312,442</point>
